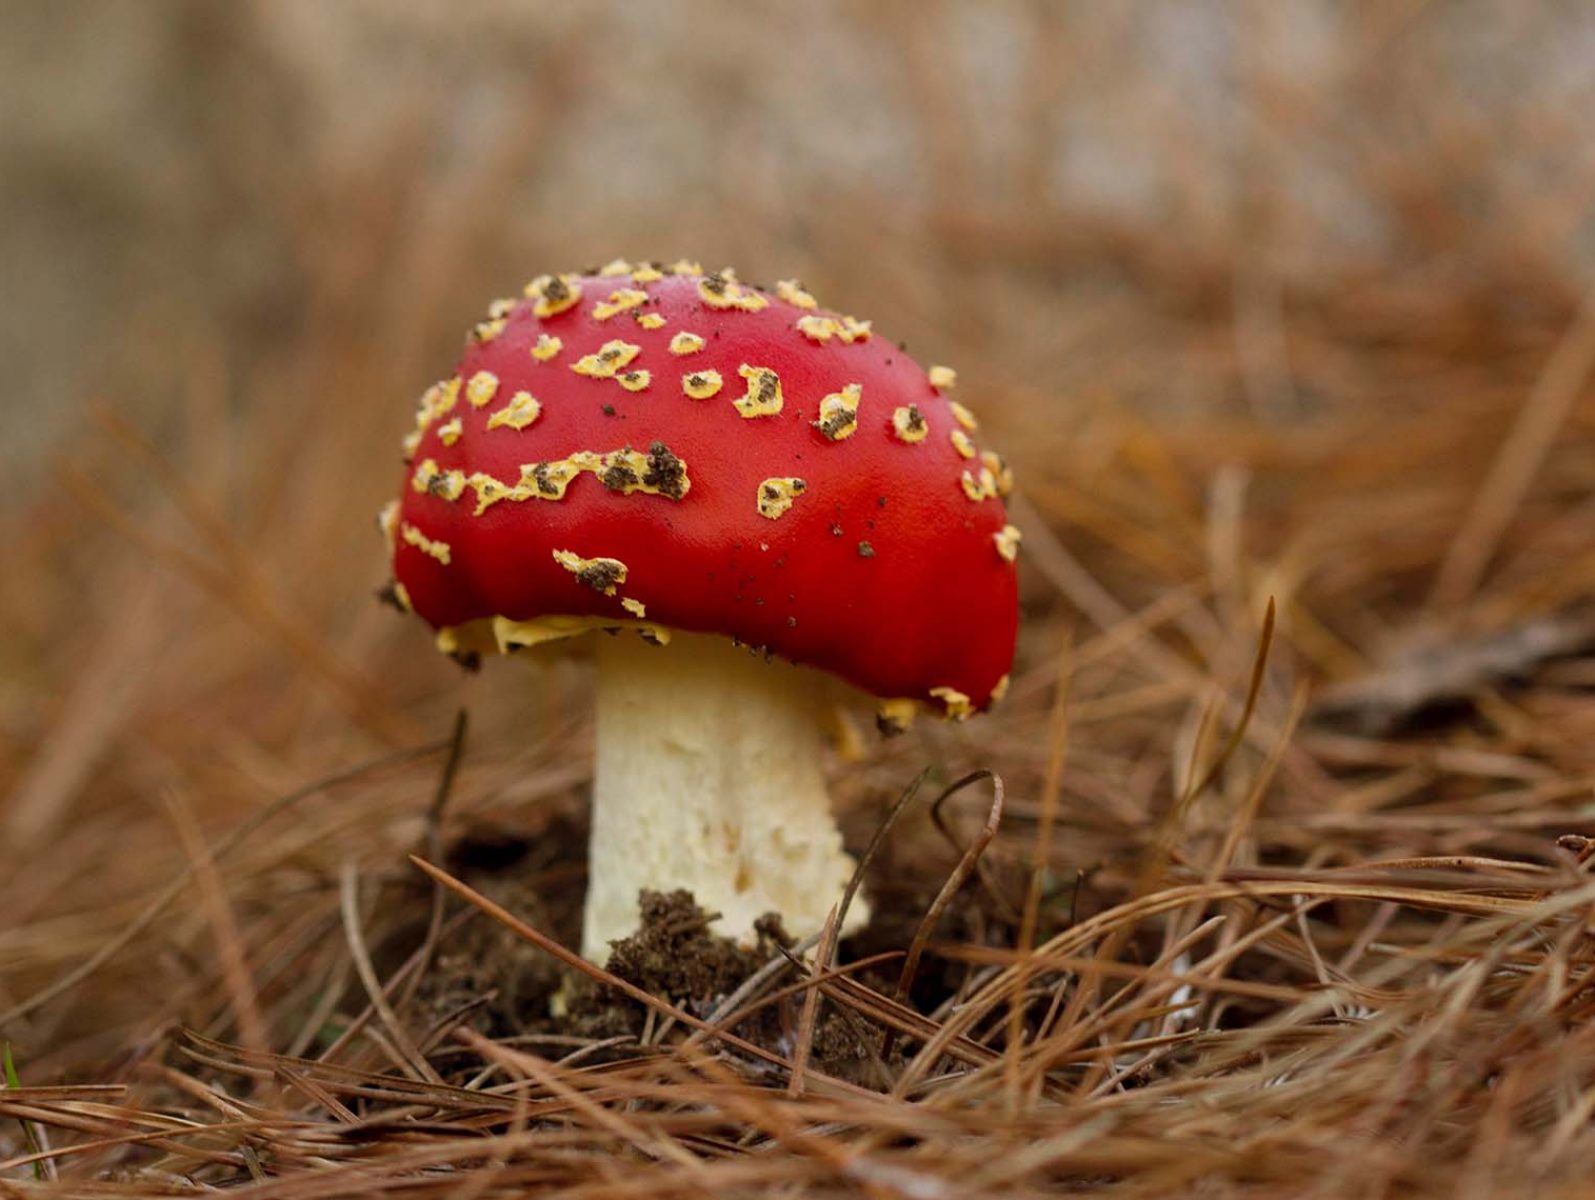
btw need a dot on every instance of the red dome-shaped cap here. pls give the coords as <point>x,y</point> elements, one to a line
<point>678,450</point>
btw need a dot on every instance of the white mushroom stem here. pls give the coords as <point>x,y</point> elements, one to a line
<point>710,778</point>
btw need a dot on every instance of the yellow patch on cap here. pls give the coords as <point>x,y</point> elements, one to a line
<point>619,301</point>
<point>481,389</point>
<point>546,347</point>
<point>449,432</point>
<point>963,416</point>
<point>434,549</point>
<point>795,293</point>
<point>999,689</point>
<point>603,575</point>
<point>437,400</point>
<point>651,320</point>
<point>486,331</point>
<point>554,294</point>
<point>615,266</point>
<point>962,444</point>
<point>1007,539</point>
<point>402,595</point>
<point>431,480</point>
<point>839,413</point>
<point>763,397</point>
<point>656,473</point>
<point>647,273</point>
<point>686,343</point>
<point>978,487</point>
<point>686,266</point>
<point>942,377</point>
<point>778,494</point>
<point>520,412</point>
<point>544,480</point>
<point>721,290</point>
<point>411,443</point>
<point>700,385</point>
<point>819,328</point>
<point>1000,470</point>
<point>489,491</point>
<point>634,381</point>
<point>502,307</point>
<point>956,703</point>
<point>908,423</point>
<point>608,361</point>
<point>635,607</point>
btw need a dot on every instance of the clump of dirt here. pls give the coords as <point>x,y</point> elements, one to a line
<point>674,955</point>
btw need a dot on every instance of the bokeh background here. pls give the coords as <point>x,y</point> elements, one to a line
<point>1252,294</point>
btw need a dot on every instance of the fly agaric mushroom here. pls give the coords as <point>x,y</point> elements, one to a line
<point>750,493</point>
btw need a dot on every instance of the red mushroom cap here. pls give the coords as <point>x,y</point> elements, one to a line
<point>662,446</point>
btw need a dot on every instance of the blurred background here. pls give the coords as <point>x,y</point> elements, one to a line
<point>1253,295</point>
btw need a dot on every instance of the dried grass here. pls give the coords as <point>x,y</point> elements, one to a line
<point>1290,894</point>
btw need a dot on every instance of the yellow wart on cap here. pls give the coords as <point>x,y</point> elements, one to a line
<point>520,412</point>
<point>615,266</point>
<point>957,704</point>
<point>603,575</point>
<point>795,293</point>
<point>486,331</point>
<point>1000,471</point>
<point>963,416</point>
<point>619,301</point>
<point>481,389</point>
<point>962,444</point>
<point>554,294</point>
<point>942,377</point>
<point>412,443</point>
<point>763,397</point>
<point>777,494</point>
<point>609,360</point>
<point>635,607</point>
<point>839,413</point>
<point>657,473</point>
<point>999,690</point>
<point>721,290</point>
<point>1007,539</point>
<point>686,343</point>
<point>634,381</point>
<point>818,328</point>
<point>647,273</point>
<point>685,266</point>
<point>651,320</point>
<point>435,549</point>
<point>430,479</point>
<point>908,423</point>
<point>544,480</point>
<point>546,347</point>
<point>977,488</point>
<point>502,307</point>
<point>402,595</point>
<point>437,400</point>
<point>449,432</point>
<point>700,385</point>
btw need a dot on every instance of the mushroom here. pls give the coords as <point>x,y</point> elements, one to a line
<point>750,495</point>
